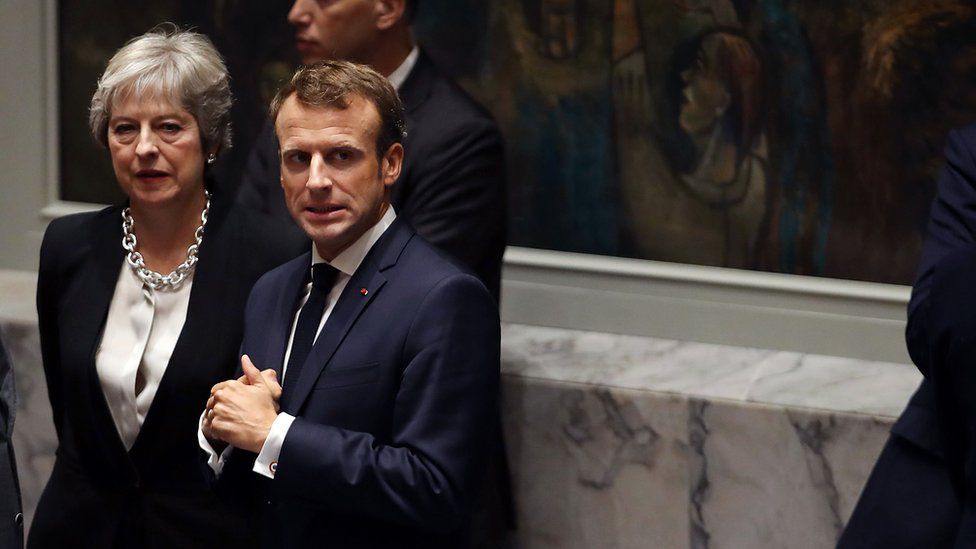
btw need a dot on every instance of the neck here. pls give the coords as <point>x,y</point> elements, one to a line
<point>391,51</point>
<point>164,233</point>
<point>718,159</point>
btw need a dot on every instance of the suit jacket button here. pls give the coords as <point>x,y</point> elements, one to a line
<point>19,519</point>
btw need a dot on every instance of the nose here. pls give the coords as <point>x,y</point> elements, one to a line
<point>298,15</point>
<point>318,174</point>
<point>146,146</point>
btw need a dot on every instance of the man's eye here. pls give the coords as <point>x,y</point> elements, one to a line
<point>342,155</point>
<point>298,157</point>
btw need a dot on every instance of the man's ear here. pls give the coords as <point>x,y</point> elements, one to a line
<point>392,164</point>
<point>389,13</point>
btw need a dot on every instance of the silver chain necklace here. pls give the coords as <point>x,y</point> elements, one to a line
<point>150,278</point>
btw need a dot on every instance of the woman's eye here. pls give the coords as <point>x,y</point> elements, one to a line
<point>122,129</point>
<point>170,127</point>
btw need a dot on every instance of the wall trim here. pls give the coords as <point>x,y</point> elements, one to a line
<point>804,314</point>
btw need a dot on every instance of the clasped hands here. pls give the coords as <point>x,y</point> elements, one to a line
<point>240,411</point>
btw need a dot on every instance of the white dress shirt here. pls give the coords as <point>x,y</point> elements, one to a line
<point>346,263</point>
<point>399,76</point>
<point>139,337</point>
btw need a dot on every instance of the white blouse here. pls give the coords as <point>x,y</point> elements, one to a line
<point>139,337</point>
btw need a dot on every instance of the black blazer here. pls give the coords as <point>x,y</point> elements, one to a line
<point>155,495</point>
<point>451,189</point>
<point>11,518</point>
<point>395,405</point>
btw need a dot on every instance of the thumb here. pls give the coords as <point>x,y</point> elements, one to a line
<point>252,374</point>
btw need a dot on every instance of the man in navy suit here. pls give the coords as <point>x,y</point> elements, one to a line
<point>922,491</point>
<point>451,187</point>
<point>388,351</point>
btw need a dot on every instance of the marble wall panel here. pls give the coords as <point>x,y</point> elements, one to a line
<point>34,437</point>
<point>766,476</point>
<point>596,467</point>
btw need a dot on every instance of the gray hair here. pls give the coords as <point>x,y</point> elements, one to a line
<point>167,62</point>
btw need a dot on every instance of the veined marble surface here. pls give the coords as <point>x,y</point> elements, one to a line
<point>708,371</point>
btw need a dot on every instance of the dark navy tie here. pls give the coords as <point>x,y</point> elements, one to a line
<point>323,277</point>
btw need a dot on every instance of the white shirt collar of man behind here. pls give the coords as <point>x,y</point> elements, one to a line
<point>399,76</point>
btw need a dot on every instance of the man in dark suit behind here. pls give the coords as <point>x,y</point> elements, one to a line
<point>452,185</point>
<point>379,433</point>
<point>11,518</point>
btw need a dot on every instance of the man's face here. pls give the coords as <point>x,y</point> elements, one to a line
<point>335,186</point>
<point>334,29</point>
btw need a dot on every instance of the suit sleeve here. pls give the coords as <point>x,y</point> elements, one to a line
<point>952,227</point>
<point>48,285</point>
<point>458,198</point>
<point>443,416</point>
<point>261,174</point>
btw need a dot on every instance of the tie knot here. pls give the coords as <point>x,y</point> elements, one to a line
<point>323,276</point>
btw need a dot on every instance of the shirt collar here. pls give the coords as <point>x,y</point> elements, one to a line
<point>349,259</point>
<point>398,76</point>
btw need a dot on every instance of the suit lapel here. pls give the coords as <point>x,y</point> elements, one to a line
<point>287,306</point>
<point>350,305</point>
<point>96,289</point>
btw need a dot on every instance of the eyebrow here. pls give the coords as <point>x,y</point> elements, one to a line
<point>174,114</point>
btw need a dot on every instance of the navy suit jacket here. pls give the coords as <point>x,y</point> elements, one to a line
<point>922,491</point>
<point>395,405</point>
<point>451,188</point>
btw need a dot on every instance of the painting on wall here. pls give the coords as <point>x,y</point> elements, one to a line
<point>794,136</point>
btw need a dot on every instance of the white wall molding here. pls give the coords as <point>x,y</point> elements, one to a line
<point>728,306</point>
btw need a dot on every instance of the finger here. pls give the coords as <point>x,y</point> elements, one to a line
<point>250,371</point>
<point>271,380</point>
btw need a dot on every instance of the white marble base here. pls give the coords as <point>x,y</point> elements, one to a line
<point>619,441</point>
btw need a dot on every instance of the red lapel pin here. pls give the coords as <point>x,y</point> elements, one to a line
<point>363,291</point>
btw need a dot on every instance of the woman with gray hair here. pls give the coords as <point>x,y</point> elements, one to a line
<point>140,308</point>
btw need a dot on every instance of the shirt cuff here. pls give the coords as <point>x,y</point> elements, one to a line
<point>214,461</point>
<point>267,462</point>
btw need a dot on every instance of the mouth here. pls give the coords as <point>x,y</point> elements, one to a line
<point>151,175</point>
<point>304,44</point>
<point>323,212</point>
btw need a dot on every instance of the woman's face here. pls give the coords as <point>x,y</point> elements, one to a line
<point>156,151</point>
<point>704,96</point>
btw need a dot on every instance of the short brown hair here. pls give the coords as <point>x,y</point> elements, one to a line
<point>332,83</point>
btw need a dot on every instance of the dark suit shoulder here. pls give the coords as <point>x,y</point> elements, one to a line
<point>437,266</point>
<point>69,238</point>
<point>440,109</point>
<point>276,277</point>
